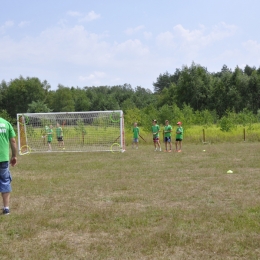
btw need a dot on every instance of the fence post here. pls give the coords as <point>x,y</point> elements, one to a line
<point>204,140</point>
<point>244,130</point>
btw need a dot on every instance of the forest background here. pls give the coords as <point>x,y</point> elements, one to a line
<point>191,94</point>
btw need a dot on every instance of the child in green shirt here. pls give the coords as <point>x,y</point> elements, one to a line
<point>155,131</point>
<point>179,137</point>
<point>167,136</point>
<point>135,136</point>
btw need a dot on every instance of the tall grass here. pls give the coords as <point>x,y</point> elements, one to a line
<point>212,134</point>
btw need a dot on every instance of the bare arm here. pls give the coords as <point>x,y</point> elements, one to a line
<point>13,160</point>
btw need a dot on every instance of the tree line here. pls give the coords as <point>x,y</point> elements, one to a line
<point>191,93</point>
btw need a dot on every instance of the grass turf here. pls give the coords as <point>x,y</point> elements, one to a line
<point>139,204</point>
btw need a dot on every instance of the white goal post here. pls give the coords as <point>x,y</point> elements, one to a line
<point>71,131</point>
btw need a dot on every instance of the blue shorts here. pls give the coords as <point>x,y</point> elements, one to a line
<point>135,140</point>
<point>167,139</point>
<point>5,178</point>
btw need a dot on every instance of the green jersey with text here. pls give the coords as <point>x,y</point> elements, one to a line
<point>6,132</point>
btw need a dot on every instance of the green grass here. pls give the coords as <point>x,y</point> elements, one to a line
<point>139,204</point>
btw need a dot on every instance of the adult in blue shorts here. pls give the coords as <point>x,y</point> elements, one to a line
<point>7,136</point>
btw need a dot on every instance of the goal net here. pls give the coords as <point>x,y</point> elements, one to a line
<point>71,132</point>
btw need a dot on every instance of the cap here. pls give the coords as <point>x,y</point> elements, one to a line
<point>179,123</point>
<point>154,120</point>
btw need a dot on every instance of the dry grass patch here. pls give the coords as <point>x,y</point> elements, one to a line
<point>139,204</point>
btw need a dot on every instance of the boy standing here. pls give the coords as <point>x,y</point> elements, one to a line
<point>155,131</point>
<point>135,136</point>
<point>7,139</point>
<point>179,137</point>
<point>59,133</point>
<point>167,136</point>
<point>49,137</point>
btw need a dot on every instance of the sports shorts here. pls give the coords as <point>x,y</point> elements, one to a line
<point>135,140</point>
<point>60,138</point>
<point>156,139</point>
<point>167,139</point>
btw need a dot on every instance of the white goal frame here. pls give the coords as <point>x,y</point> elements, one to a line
<point>82,131</point>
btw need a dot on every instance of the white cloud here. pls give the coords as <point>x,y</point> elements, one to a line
<point>148,35</point>
<point>5,26</point>
<point>187,44</point>
<point>58,44</point>
<point>252,46</point>
<point>166,39</point>
<point>131,47</point>
<point>23,24</point>
<point>89,17</point>
<point>201,37</point>
<point>95,78</point>
<point>84,17</point>
<point>131,31</point>
<point>73,13</point>
<point>252,49</point>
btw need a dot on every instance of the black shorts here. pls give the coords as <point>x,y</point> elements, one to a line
<point>178,139</point>
<point>60,138</point>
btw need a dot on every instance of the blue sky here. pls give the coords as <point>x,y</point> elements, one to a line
<point>93,43</point>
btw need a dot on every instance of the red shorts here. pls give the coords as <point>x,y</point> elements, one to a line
<point>155,139</point>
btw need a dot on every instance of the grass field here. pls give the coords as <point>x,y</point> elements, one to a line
<point>139,204</point>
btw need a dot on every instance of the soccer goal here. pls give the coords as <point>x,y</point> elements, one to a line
<point>71,132</point>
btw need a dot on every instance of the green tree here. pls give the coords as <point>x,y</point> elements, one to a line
<point>63,100</point>
<point>3,91</point>
<point>38,107</point>
<point>82,102</point>
<point>6,116</point>
<point>194,87</point>
<point>254,92</point>
<point>131,116</point>
<point>163,81</point>
<point>22,92</point>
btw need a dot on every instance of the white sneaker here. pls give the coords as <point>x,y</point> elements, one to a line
<point>160,149</point>
<point>155,150</point>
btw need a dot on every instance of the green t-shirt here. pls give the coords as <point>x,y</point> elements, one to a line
<point>59,131</point>
<point>179,132</point>
<point>49,134</point>
<point>6,132</point>
<point>168,131</point>
<point>155,129</point>
<point>135,132</point>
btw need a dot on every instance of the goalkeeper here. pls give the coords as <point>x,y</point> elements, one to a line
<point>59,134</point>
